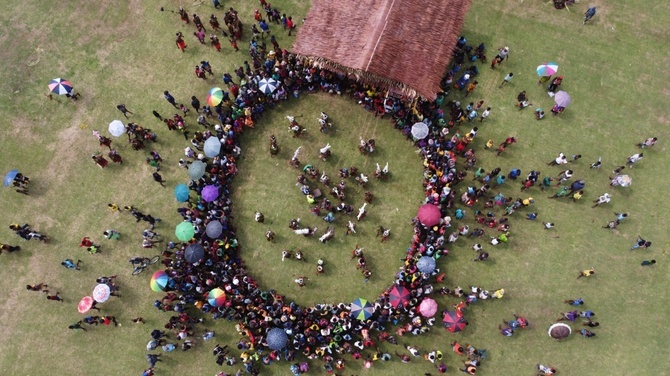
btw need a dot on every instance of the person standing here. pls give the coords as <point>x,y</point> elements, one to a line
<point>507,79</point>
<point>159,179</point>
<point>55,297</point>
<point>122,107</point>
<point>485,114</point>
<point>181,44</point>
<point>170,99</point>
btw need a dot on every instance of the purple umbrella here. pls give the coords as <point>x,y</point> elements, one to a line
<point>210,193</point>
<point>562,99</point>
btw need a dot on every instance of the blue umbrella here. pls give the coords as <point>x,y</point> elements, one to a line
<point>9,178</point>
<point>426,264</point>
<point>214,229</point>
<point>267,86</point>
<point>181,193</point>
<point>212,147</point>
<point>276,339</point>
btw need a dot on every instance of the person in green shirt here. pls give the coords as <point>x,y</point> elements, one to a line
<point>561,192</point>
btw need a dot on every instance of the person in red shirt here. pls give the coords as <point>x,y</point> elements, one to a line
<point>180,42</point>
<point>290,25</point>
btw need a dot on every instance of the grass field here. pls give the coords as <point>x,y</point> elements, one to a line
<point>123,52</point>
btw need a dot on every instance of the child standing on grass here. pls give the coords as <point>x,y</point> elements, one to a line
<point>507,79</point>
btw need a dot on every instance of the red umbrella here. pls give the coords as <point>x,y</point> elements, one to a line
<point>399,296</point>
<point>85,304</point>
<point>454,322</point>
<point>429,215</point>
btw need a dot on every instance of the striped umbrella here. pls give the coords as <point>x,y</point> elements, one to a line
<point>548,69</point>
<point>361,309</point>
<point>215,96</point>
<point>399,296</point>
<point>454,322</point>
<point>158,281</point>
<point>268,85</point>
<point>60,86</point>
<point>216,297</point>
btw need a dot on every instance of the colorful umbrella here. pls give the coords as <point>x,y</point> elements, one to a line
<point>559,330</point>
<point>210,193</point>
<point>622,180</point>
<point>85,304</point>
<point>276,338</point>
<point>361,309</point>
<point>158,281</point>
<point>562,98</point>
<point>428,307</point>
<point>216,297</point>
<point>9,177</point>
<point>426,264</point>
<point>181,193</point>
<point>453,322</point>
<point>101,293</point>
<point>60,86</point>
<point>399,296</point>
<point>215,97</point>
<point>419,130</point>
<point>185,231</point>
<point>196,170</point>
<point>268,85</point>
<point>214,229</point>
<point>548,69</point>
<point>212,147</point>
<point>116,128</point>
<point>194,253</point>
<point>429,215</point>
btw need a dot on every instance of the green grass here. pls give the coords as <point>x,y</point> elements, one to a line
<point>614,69</point>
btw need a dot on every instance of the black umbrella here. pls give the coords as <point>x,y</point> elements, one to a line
<point>194,253</point>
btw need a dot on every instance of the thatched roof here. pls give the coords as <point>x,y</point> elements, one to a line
<point>404,45</point>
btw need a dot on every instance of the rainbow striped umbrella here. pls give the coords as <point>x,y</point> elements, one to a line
<point>60,86</point>
<point>215,96</point>
<point>216,297</point>
<point>548,69</point>
<point>361,309</point>
<point>159,280</point>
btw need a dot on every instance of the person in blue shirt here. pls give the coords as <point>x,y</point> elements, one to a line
<point>575,302</point>
<point>514,173</point>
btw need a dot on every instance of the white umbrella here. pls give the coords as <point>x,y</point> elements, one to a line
<point>268,85</point>
<point>419,130</point>
<point>212,147</point>
<point>116,128</point>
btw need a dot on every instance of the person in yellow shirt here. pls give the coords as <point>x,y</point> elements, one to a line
<point>587,273</point>
<point>577,195</point>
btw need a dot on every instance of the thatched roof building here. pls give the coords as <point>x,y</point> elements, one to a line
<point>404,45</point>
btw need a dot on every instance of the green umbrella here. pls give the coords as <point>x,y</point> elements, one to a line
<point>185,231</point>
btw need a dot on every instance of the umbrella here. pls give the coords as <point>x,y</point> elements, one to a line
<point>85,304</point>
<point>361,309</point>
<point>212,147</point>
<point>196,170</point>
<point>548,69</point>
<point>60,86</point>
<point>419,130</point>
<point>622,180</point>
<point>562,98</point>
<point>194,253</point>
<point>559,330</point>
<point>399,296</point>
<point>214,229</point>
<point>116,128</point>
<point>429,215</point>
<point>426,264</point>
<point>428,307</point>
<point>577,185</point>
<point>216,297</point>
<point>185,231</point>
<point>158,281</point>
<point>181,193</point>
<point>210,193</point>
<point>9,177</point>
<point>215,96</point>
<point>453,322</point>
<point>268,85</point>
<point>101,293</point>
<point>276,338</point>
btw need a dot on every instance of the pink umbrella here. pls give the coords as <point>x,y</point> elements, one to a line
<point>85,304</point>
<point>429,215</point>
<point>210,193</point>
<point>428,307</point>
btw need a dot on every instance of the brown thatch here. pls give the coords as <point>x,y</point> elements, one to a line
<point>404,45</point>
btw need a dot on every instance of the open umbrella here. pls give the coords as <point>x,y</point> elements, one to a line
<point>268,85</point>
<point>562,98</point>
<point>276,338</point>
<point>399,296</point>
<point>9,177</point>
<point>181,192</point>
<point>85,304</point>
<point>196,170</point>
<point>622,180</point>
<point>361,309</point>
<point>548,69</point>
<point>215,96</point>
<point>60,86</point>
<point>158,281</point>
<point>194,253</point>
<point>216,297</point>
<point>101,293</point>
<point>429,215</point>
<point>428,307</point>
<point>210,193</point>
<point>212,147</point>
<point>419,130</point>
<point>214,229</point>
<point>185,231</point>
<point>454,322</point>
<point>116,128</point>
<point>426,264</point>
<point>559,330</point>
